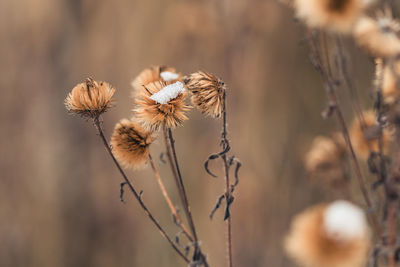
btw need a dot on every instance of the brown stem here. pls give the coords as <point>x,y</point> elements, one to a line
<point>228,193</point>
<point>172,159</point>
<point>334,104</point>
<point>176,215</point>
<point>326,53</point>
<point>349,83</point>
<point>97,124</point>
<point>392,233</point>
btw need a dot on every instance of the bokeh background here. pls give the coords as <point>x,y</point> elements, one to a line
<point>59,191</point>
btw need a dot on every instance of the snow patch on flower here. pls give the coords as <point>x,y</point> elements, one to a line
<point>168,92</point>
<point>344,220</point>
<point>169,76</point>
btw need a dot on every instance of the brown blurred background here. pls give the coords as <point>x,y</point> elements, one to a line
<point>59,191</point>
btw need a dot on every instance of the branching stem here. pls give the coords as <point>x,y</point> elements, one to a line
<point>98,126</point>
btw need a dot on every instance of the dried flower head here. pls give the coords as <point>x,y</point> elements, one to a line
<point>90,99</point>
<point>131,143</point>
<point>207,92</point>
<point>325,161</point>
<point>154,74</point>
<point>379,37</point>
<point>365,135</point>
<point>329,235</point>
<point>335,15</point>
<point>161,104</point>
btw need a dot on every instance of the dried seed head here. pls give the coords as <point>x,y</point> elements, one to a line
<point>335,15</point>
<point>207,92</point>
<point>329,235</point>
<point>160,104</point>
<point>131,143</point>
<point>379,37</point>
<point>154,74</point>
<point>326,161</point>
<point>365,135</point>
<point>90,99</point>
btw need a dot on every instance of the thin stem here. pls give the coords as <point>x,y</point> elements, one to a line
<point>172,159</point>
<point>97,124</point>
<point>228,193</point>
<point>186,202</point>
<point>349,83</point>
<point>326,53</point>
<point>176,215</point>
<point>336,108</point>
<point>174,173</point>
<point>392,233</point>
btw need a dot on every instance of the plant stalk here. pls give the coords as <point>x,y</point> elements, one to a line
<point>228,194</point>
<point>97,124</point>
<point>333,104</point>
<point>172,159</point>
<point>176,215</point>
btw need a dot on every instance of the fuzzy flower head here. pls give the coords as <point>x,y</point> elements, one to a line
<point>154,74</point>
<point>207,92</point>
<point>131,143</point>
<point>335,15</point>
<point>380,36</point>
<point>329,235</point>
<point>90,99</point>
<point>325,161</point>
<point>160,104</point>
<point>365,135</point>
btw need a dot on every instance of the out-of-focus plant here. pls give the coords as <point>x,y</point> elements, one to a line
<point>320,236</point>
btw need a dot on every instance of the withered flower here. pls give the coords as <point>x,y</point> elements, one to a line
<point>90,99</point>
<point>160,104</point>
<point>207,92</point>
<point>131,143</point>
<point>379,36</point>
<point>365,135</point>
<point>326,160</point>
<point>330,235</point>
<point>154,74</point>
<point>336,15</point>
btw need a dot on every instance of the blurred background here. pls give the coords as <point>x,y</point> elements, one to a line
<point>59,191</point>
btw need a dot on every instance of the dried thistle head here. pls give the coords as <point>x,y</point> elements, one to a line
<point>160,104</point>
<point>90,99</point>
<point>154,74</point>
<point>207,92</point>
<point>335,15</point>
<point>365,135</point>
<point>131,143</point>
<point>329,235</point>
<point>380,36</point>
<point>325,161</point>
